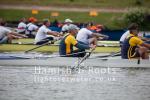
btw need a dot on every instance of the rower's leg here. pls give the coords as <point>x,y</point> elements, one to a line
<point>93,41</point>
<point>4,40</point>
<point>45,41</point>
<point>50,39</point>
<point>10,37</point>
<point>143,53</point>
<point>30,35</point>
<point>78,53</point>
<point>42,42</point>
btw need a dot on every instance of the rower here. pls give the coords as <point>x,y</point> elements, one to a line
<point>127,33</point>
<point>87,37</point>
<point>31,27</point>
<point>22,26</point>
<point>123,37</point>
<point>7,35</point>
<point>67,43</point>
<point>41,36</point>
<point>133,46</point>
<point>64,28</point>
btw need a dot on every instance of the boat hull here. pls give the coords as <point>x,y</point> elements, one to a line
<point>69,62</point>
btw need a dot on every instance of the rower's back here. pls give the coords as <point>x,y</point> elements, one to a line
<point>126,48</point>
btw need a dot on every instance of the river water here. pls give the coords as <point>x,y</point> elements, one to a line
<point>56,83</point>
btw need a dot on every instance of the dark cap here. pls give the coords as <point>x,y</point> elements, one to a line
<point>73,27</point>
<point>133,26</point>
<point>45,21</point>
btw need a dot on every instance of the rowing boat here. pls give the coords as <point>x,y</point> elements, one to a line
<point>95,60</point>
<point>69,62</point>
<point>48,48</point>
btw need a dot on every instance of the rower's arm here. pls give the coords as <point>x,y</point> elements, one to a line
<point>144,39</point>
<point>54,33</point>
<point>20,35</point>
<point>146,45</point>
<point>137,41</point>
<point>99,35</point>
<point>36,29</point>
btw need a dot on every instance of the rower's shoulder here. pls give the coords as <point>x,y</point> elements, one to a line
<point>70,38</point>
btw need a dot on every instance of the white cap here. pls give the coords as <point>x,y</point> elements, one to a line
<point>73,27</point>
<point>68,21</point>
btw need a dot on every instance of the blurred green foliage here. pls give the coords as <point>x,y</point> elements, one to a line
<point>139,16</point>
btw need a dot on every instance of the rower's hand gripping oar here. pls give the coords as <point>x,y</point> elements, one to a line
<point>37,47</point>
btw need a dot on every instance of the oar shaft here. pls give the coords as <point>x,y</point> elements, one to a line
<point>85,57</point>
<point>37,47</point>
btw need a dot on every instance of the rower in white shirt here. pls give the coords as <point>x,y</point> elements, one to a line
<point>127,33</point>
<point>88,37</point>
<point>31,27</point>
<point>41,36</point>
<point>22,26</point>
<point>123,37</point>
<point>7,35</point>
<point>64,28</point>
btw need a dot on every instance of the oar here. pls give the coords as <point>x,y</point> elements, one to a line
<point>37,47</point>
<point>84,58</point>
<point>113,54</point>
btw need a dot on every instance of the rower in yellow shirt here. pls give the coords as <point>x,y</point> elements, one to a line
<point>133,46</point>
<point>67,43</point>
